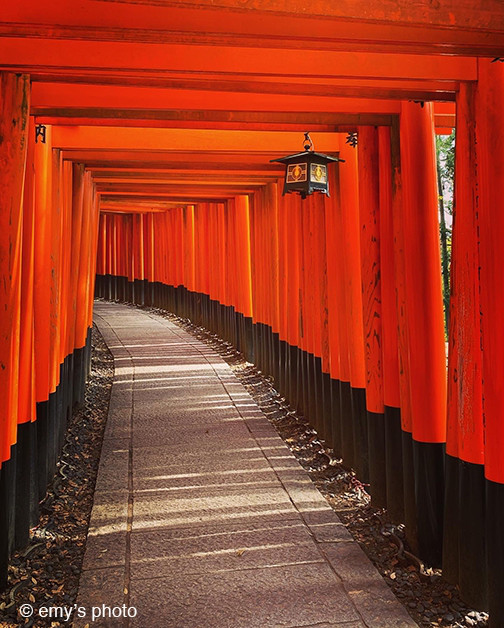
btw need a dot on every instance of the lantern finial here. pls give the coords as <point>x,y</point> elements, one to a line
<point>308,144</point>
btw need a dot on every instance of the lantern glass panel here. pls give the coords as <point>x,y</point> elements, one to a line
<point>318,173</point>
<point>297,173</point>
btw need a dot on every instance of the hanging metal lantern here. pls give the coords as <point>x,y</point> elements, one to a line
<point>306,172</point>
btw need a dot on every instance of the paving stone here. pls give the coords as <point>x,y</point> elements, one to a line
<point>372,597</point>
<point>118,423</point>
<point>154,553</point>
<point>154,509</point>
<point>378,606</point>
<point>330,532</point>
<point>121,397</point>
<point>290,595</point>
<point>351,564</point>
<point>104,549</point>
<point>232,455</point>
<point>113,470</point>
<point>98,587</point>
<point>320,517</point>
<point>110,512</point>
<point>206,438</point>
<point>157,476</point>
<point>304,495</point>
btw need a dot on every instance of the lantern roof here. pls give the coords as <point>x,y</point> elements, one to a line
<point>306,153</point>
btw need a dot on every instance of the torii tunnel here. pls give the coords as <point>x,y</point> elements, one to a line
<point>136,140</point>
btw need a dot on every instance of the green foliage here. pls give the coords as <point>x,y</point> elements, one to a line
<point>445,149</point>
<point>445,157</point>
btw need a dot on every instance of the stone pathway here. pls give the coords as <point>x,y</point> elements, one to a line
<point>202,518</point>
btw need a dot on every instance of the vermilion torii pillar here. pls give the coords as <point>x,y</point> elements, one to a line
<point>369,206</point>
<point>14,112</point>
<point>423,355</point>
<point>473,552</point>
<point>489,117</point>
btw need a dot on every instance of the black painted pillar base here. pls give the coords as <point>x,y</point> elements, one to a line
<point>78,377</point>
<point>51,437</point>
<point>327,424</point>
<point>347,444</point>
<point>303,384</point>
<point>26,510</point>
<point>275,358</point>
<point>464,554</point>
<point>410,511</point>
<point>394,464</point>
<point>360,433</point>
<point>282,367</point>
<point>452,508</point>
<point>495,552</point>
<point>249,339</point>
<point>258,346</point>
<point>293,391</point>
<point>472,580</point>
<point>42,447</point>
<point>336,418</point>
<point>7,509</point>
<point>317,410</point>
<point>59,436</point>
<point>429,496</point>
<point>377,464</point>
<point>238,321</point>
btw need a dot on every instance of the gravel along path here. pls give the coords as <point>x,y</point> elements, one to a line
<point>47,571</point>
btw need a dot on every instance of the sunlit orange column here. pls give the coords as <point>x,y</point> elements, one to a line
<point>390,349</point>
<point>66,243</point>
<point>256,255</point>
<point>213,277</point>
<point>130,255</point>
<point>14,123</point>
<point>203,268</point>
<point>293,252</point>
<point>405,440</point>
<point>101,253</point>
<point>42,271</point>
<point>92,253</point>
<point>333,247</point>
<point>463,546</point>
<point>242,226</point>
<point>283,264</point>
<point>424,319</point>
<point>293,314</point>
<point>87,250</point>
<point>343,305</point>
<point>75,241</point>
<point>323,383</point>
<point>189,247</point>
<point>422,276</point>
<point>26,404</point>
<point>354,418</point>
<point>369,205</point>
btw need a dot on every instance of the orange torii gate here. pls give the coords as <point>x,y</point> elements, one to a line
<point>135,146</point>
